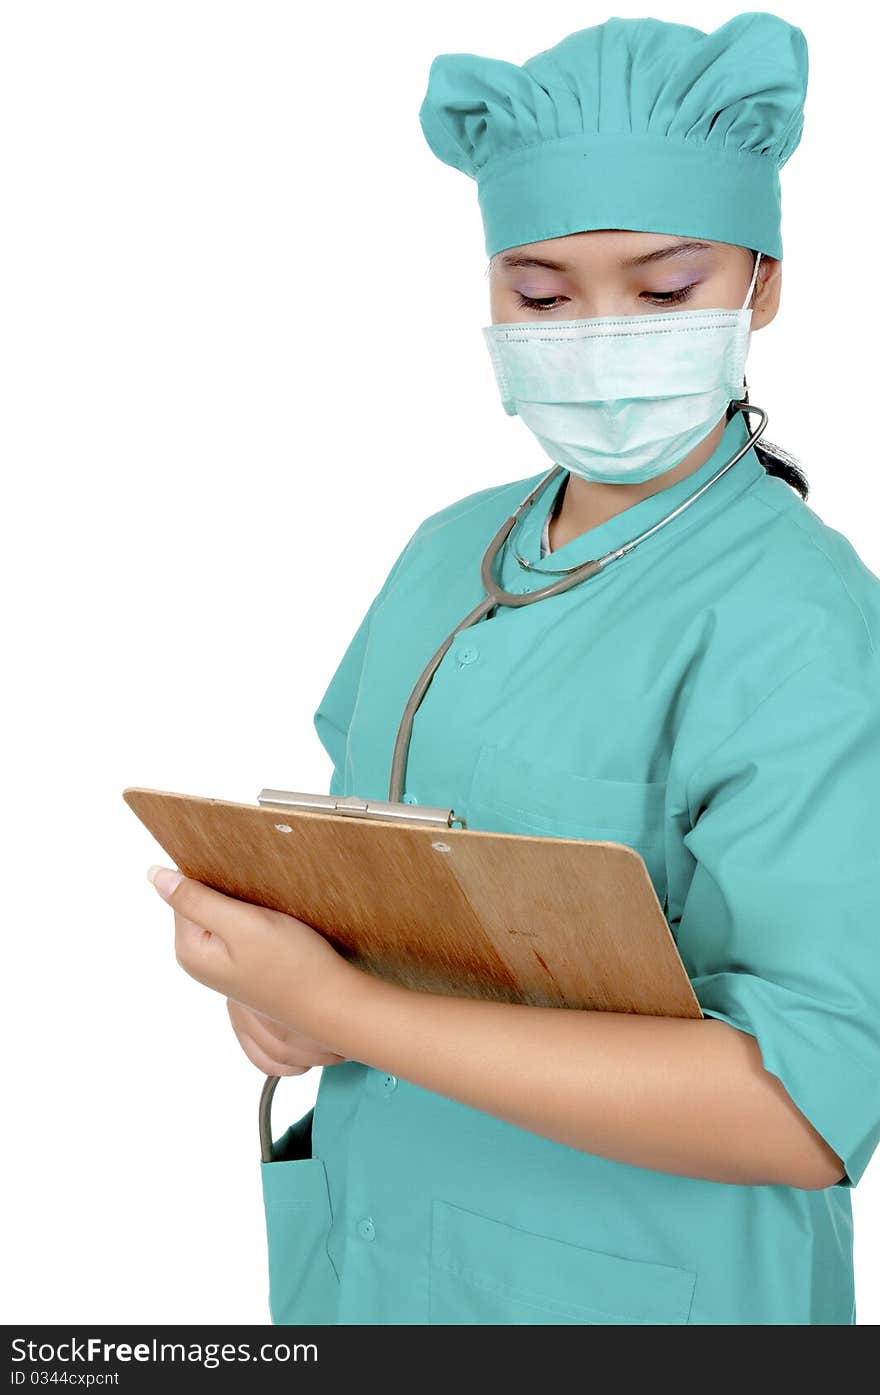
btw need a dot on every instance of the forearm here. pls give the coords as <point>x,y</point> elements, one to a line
<point>686,1096</point>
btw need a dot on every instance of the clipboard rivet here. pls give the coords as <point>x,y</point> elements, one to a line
<point>284,827</point>
<point>441,847</point>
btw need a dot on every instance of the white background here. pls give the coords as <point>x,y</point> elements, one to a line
<point>241,362</point>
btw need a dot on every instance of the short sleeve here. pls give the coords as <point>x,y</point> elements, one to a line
<point>334,712</point>
<point>780,929</point>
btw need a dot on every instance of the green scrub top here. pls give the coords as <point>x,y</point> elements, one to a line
<point>712,700</point>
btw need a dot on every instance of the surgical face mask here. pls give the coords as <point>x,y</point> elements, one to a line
<point>623,399</point>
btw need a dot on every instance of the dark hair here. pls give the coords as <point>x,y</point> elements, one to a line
<point>777,461</point>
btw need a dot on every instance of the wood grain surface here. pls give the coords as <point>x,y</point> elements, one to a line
<point>556,922</point>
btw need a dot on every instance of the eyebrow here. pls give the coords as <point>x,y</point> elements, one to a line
<point>676,249</point>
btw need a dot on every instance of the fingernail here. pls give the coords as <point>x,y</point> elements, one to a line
<point>164,879</point>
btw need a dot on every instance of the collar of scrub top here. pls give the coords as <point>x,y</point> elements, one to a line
<point>617,530</point>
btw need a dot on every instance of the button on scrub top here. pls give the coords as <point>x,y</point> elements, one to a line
<point>712,700</point>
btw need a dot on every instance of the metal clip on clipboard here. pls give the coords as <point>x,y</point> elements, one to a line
<point>354,807</point>
<point>362,808</point>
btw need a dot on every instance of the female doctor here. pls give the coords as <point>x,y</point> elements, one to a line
<point>710,696</point>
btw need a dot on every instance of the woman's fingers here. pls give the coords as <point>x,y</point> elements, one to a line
<point>272,961</point>
<point>262,1028</point>
<point>286,1047</point>
<point>273,1034</point>
<point>265,1063</point>
<point>214,934</point>
<point>194,902</point>
<point>192,940</point>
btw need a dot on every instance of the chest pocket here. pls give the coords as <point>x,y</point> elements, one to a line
<point>513,793</point>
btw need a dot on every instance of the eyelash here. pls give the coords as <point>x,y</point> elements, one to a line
<point>662,298</point>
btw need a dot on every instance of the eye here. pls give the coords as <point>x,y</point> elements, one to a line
<point>669,297</point>
<point>544,303</point>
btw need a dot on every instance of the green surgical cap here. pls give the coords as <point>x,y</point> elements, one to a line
<point>634,123</point>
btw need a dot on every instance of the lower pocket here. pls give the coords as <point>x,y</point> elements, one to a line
<point>303,1283</point>
<point>485,1271</point>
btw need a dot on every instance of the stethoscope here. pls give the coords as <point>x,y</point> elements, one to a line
<point>497,595</point>
<point>569,576</point>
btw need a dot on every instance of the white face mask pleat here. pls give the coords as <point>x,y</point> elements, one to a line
<point>623,399</point>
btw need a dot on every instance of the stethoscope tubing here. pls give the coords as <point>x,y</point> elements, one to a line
<point>497,595</point>
<point>573,576</point>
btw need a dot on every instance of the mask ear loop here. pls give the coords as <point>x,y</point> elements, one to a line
<point>745,306</point>
<point>750,292</point>
<point>752,283</point>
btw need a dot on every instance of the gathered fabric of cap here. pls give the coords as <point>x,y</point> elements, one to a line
<point>634,123</point>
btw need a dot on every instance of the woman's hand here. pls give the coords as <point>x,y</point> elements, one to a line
<point>273,1048</point>
<point>277,966</point>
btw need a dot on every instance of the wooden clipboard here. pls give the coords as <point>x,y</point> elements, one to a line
<point>555,922</point>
